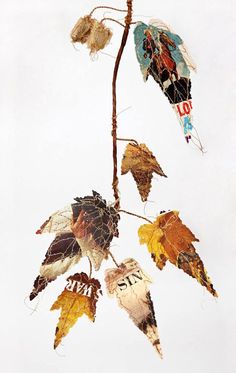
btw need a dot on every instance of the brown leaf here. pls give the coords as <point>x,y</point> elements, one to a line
<point>94,226</point>
<point>141,162</point>
<point>169,239</point>
<point>78,298</point>
<point>92,32</point>
<point>131,286</point>
<point>62,254</point>
<point>84,228</point>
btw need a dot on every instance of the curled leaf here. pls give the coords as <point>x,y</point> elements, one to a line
<point>169,239</point>
<point>82,29</point>
<point>130,285</point>
<point>92,32</point>
<point>140,161</point>
<point>78,298</point>
<point>99,37</point>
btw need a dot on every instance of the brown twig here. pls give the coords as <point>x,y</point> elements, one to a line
<point>128,20</point>
<point>113,20</point>
<point>107,7</point>
<point>112,257</point>
<point>90,267</point>
<point>137,216</point>
<point>128,140</point>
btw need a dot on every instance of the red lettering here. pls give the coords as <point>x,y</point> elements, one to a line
<point>179,111</point>
<point>186,108</point>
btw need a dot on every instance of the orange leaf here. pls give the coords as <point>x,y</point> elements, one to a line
<point>169,239</point>
<point>141,162</point>
<point>78,298</point>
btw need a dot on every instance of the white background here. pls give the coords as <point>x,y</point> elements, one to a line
<point>56,145</point>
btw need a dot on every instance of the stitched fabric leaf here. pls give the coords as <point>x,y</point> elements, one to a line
<point>84,228</point>
<point>169,239</point>
<point>130,285</point>
<point>140,161</point>
<point>162,54</point>
<point>78,298</point>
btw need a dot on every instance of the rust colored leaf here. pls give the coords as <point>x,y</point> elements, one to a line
<point>131,286</point>
<point>140,161</point>
<point>78,298</point>
<point>169,239</point>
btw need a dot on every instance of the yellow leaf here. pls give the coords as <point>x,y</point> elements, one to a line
<point>169,239</point>
<point>78,298</point>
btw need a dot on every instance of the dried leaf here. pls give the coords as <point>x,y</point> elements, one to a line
<point>131,286</point>
<point>92,32</point>
<point>99,37</point>
<point>82,29</point>
<point>140,161</point>
<point>168,239</point>
<point>63,253</point>
<point>78,298</point>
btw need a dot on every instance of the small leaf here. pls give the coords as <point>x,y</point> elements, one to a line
<point>131,286</point>
<point>78,298</point>
<point>92,32</point>
<point>140,161</point>
<point>169,239</point>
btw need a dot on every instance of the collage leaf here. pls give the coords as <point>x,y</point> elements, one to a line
<point>140,161</point>
<point>85,228</point>
<point>77,299</point>
<point>169,239</point>
<point>130,285</point>
<point>162,54</point>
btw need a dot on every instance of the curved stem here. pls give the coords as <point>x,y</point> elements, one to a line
<point>137,216</point>
<point>128,20</point>
<point>107,7</point>
<point>112,257</point>
<point>112,19</point>
<point>128,140</point>
<point>90,267</point>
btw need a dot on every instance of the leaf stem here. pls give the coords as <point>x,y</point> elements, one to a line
<point>107,7</point>
<point>138,216</point>
<point>128,140</point>
<point>128,20</point>
<point>113,20</point>
<point>90,267</point>
<point>112,257</point>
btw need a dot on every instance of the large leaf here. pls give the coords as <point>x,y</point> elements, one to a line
<point>130,285</point>
<point>169,239</point>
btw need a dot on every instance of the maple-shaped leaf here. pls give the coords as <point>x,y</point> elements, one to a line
<point>95,225</point>
<point>84,228</point>
<point>131,286</point>
<point>77,299</point>
<point>140,161</point>
<point>169,239</point>
<point>63,253</point>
